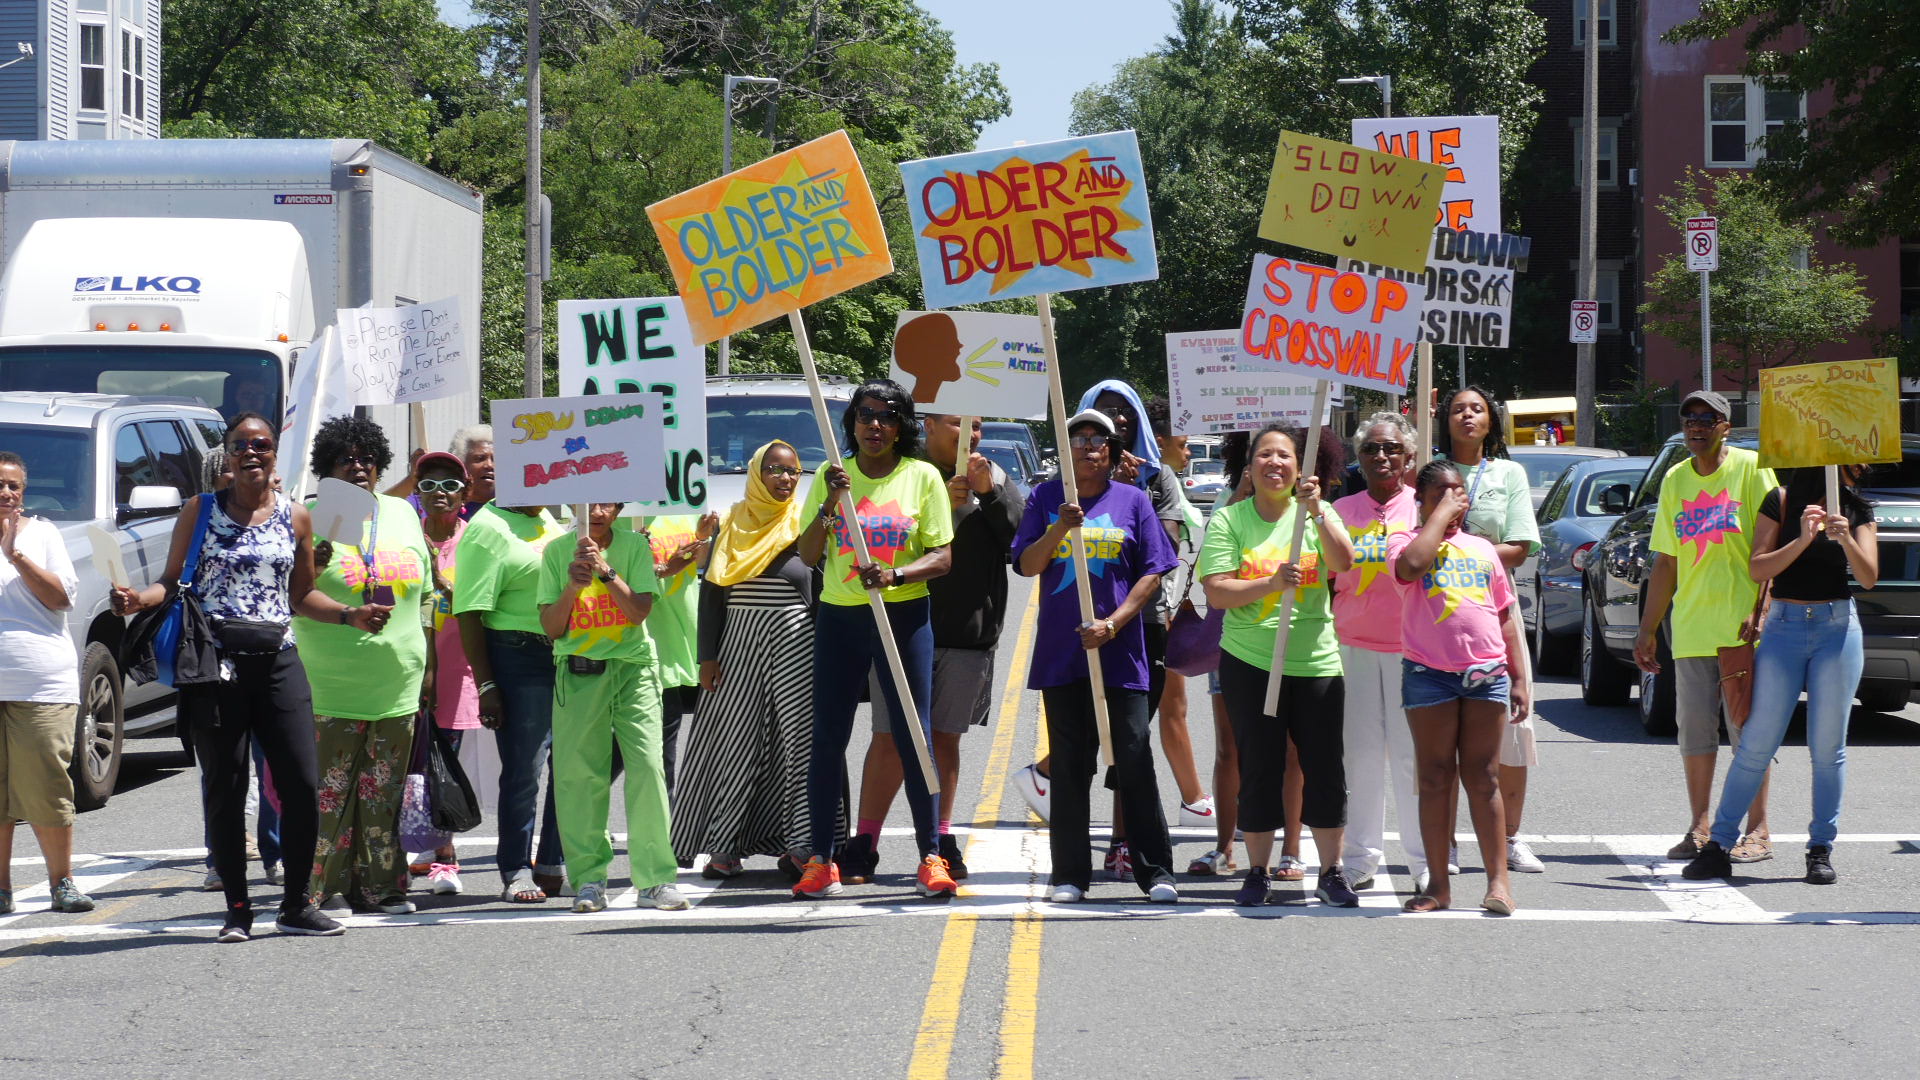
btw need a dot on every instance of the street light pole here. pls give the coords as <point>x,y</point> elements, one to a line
<point>726,166</point>
<point>534,384</point>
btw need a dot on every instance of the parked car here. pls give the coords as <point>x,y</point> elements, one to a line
<point>1619,568</point>
<point>1204,480</point>
<point>745,412</point>
<point>1014,461</point>
<point>1544,464</point>
<point>1014,431</point>
<point>125,464</point>
<point>1572,522</point>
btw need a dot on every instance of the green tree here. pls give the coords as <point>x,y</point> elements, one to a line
<point>1858,159</point>
<point>1209,105</point>
<point>387,70</point>
<point>1767,308</point>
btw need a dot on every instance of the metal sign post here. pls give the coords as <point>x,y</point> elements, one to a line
<point>1703,255</point>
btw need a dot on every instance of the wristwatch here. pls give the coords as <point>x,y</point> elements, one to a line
<point>611,575</point>
<point>1111,629</point>
<point>899,577</point>
<point>346,615</point>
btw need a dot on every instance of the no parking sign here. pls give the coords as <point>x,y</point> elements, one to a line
<point>1584,324</point>
<point>1703,243</point>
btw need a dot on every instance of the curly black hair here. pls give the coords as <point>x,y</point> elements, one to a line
<point>907,443</point>
<point>339,434</point>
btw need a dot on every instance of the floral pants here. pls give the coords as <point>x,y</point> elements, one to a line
<point>363,772</point>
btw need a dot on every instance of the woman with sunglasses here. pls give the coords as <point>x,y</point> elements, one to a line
<point>367,688</point>
<point>1472,435</point>
<point>743,776</point>
<point>440,486</point>
<point>1245,564</point>
<point>1463,681</point>
<point>255,572</point>
<point>1366,619</point>
<point>903,510</point>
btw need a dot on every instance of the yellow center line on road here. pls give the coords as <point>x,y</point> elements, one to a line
<point>940,1016</point>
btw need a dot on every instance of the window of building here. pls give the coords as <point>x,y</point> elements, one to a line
<point>1910,288</point>
<point>1740,113</point>
<point>1607,291</point>
<point>1607,164</point>
<point>133,74</point>
<point>93,66</point>
<point>1580,23</point>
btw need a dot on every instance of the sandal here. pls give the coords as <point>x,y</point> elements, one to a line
<point>1497,904</point>
<point>1290,869</point>
<point>522,890</point>
<point>1752,848</point>
<point>1421,903</point>
<point>551,884</point>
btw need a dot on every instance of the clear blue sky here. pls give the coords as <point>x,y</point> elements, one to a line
<point>1048,50</point>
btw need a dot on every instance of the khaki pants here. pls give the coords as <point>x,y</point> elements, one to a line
<point>36,747</point>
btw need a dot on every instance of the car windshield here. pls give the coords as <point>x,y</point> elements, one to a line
<point>1007,457</point>
<point>738,425</point>
<point>1597,485</point>
<point>59,470</point>
<point>1543,469</point>
<point>231,380</point>
<point>1215,469</point>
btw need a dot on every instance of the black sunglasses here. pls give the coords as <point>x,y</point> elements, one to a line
<point>1705,419</point>
<point>1372,448</point>
<point>259,444</point>
<point>868,415</point>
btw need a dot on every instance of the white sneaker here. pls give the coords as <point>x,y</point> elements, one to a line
<point>444,878</point>
<point>1163,892</point>
<point>212,882</point>
<point>590,898</point>
<point>1067,894</point>
<point>275,875</point>
<point>1034,788</point>
<point>664,897</point>
<point>1453,860</point>
<point>1521,859</point>
<point>1198,814</point>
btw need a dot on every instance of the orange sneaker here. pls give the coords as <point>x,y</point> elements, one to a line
<point>818,878</point>
<point>935,879</point>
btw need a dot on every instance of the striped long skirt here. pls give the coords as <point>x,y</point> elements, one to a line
<point>741,787</point>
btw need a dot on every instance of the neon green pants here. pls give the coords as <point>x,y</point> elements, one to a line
<point>591,713</point>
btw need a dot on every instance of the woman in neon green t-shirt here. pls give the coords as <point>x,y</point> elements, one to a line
<point>367,688</point>
<point>907,519</point>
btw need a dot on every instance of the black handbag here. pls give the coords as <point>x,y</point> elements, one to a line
<point>449,795</point>
<point>175,642</point>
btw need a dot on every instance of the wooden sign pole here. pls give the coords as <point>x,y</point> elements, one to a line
<point>1308,462</point>
<point>862,558</point>
<point>963,448</point>
<point>1426,402</point>
<point>1068,486</point>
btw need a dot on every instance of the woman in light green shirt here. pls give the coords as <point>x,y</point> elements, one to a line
<point>1472,434</point>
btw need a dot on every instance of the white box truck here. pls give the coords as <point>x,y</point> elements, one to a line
<point>205,267</point>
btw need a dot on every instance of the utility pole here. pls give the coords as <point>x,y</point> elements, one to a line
<point>725,364</point>
<point>1585,417</point>
<point>535,383</point>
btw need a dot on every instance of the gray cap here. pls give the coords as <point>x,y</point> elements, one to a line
<point>1712,400</point>
<point>1092,416</point>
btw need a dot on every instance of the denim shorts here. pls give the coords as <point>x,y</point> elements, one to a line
<point>1422,686</point>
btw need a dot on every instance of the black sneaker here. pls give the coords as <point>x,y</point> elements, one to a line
<point>1254,890</point>
<point>1820,866</point>
<point>238,927</point>
<point>1712,862</point>
<point>1334,889</point>
<point>858,859</point>
<point>950,851</point>
<point>309,921</point>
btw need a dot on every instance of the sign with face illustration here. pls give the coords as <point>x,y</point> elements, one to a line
<point>1352,203</point>
<point>971,363</point>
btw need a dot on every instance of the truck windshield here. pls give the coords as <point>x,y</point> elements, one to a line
<point>59,470</point>
<point>230,380</point>
<point>737,425</point>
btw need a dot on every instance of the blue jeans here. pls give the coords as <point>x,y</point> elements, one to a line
<point>846,645</point>
<point>523,668</point>
<point>1813,647</point>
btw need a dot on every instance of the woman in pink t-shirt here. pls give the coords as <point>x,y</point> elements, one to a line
<point>1462,680</point>
<point>441,482</point>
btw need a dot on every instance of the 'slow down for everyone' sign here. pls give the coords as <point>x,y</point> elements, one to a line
<point>1209,390</point>
<point>549,451</point>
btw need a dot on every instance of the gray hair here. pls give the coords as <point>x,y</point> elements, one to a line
<point>464,439</point>
<point>212,466</point>
<point>1393,420</point>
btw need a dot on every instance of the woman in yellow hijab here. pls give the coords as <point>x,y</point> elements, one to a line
<point>742,786</point>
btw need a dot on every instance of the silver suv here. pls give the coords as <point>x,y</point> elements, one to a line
<point>125,464</point>
<point>745,412</point>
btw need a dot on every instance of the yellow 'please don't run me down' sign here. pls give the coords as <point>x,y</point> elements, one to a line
<point>1830,414</point>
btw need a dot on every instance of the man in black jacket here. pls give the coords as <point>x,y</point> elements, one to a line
<point>969,607</point>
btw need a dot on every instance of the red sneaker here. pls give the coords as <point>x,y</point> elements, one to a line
<point>935,880</point>
<point>818,878</point>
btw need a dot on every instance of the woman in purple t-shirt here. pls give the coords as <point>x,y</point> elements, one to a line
<point>1127,551</point>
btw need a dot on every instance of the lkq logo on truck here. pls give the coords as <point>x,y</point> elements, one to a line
<point>138,283</point>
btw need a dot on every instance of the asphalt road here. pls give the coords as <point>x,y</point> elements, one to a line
<point>1612,966</point>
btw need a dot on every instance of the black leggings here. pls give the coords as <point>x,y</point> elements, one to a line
<point>267,699</point>
<point>1156,632</point>
<point>1073,733</point>
<point>1313,712</point>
